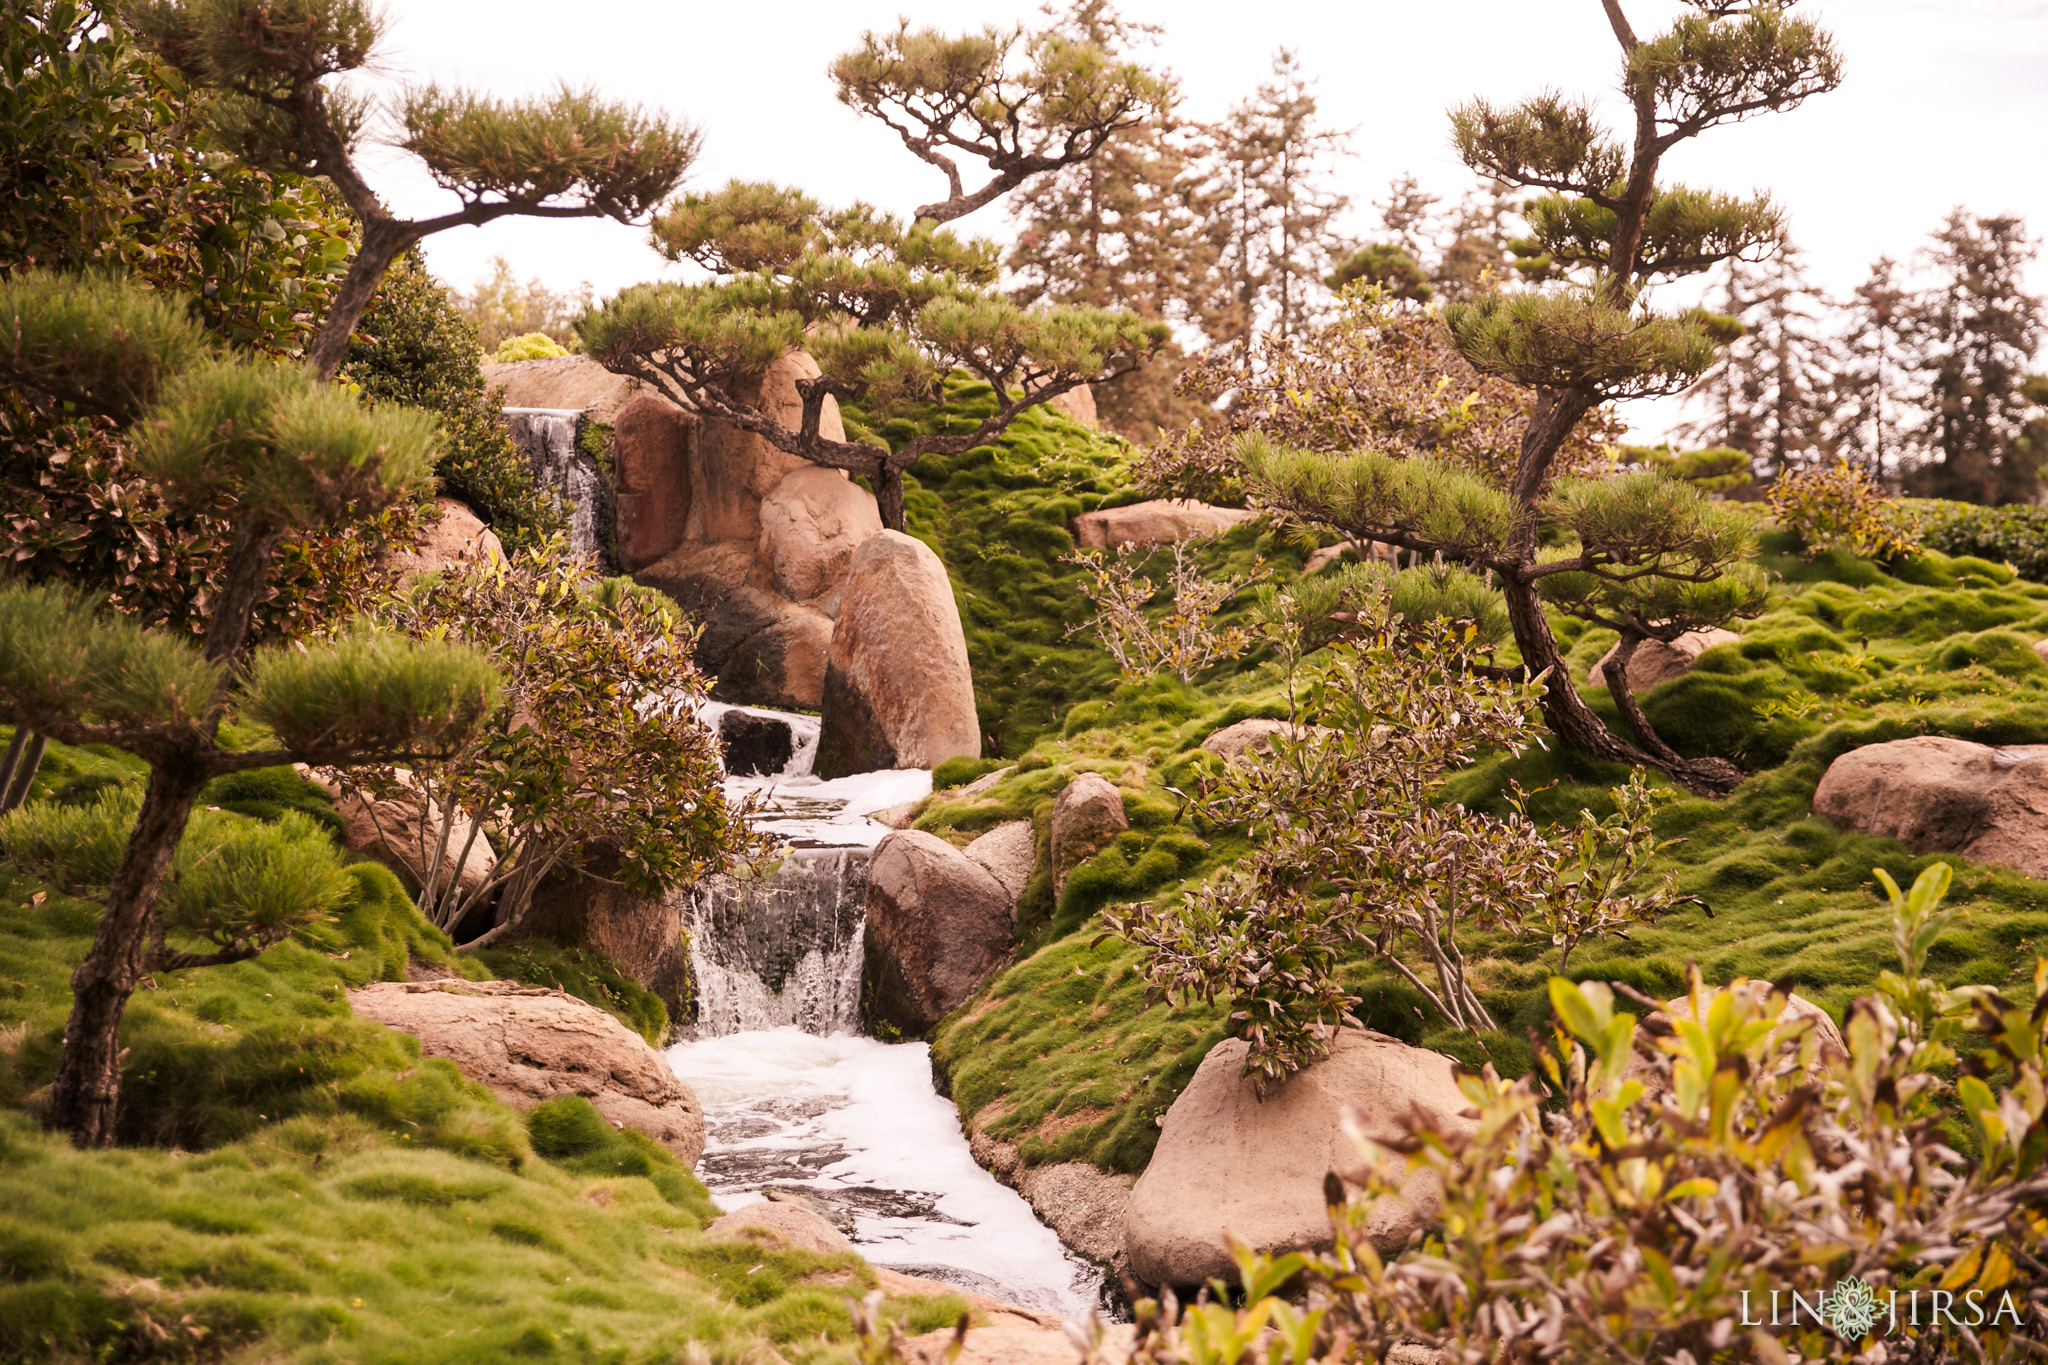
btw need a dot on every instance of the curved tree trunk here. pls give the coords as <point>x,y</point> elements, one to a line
<point>88,1085</point>
<point>889,498</point>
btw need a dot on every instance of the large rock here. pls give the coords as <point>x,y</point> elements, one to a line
<point>566,382</point>
<point>898,690</point>
<point>402,832</point>
<point>1940,795</point>
<point>651,443</point>
<point>754,745</point>
<point>780,1224</point>
<point>1087,816</point>
<point>1246,736</point>
<point>1162,521</point>
<point>811,523</point>
<point>734,471</point>
<point>1229,1164</point>
<point>783,665</point>
<point>457,536</point>
<point>938,927</point>
<point>1009,852</point>
<point>1655,661</point>
<point>529,1044</point>
<point>1367,551</point>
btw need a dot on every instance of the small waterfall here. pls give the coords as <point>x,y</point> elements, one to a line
<point>547,438</point>
<point>782,947</point>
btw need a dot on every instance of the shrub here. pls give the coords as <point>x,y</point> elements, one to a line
<point>2015,535</point>
<point>532,346</point>
<point>1840,507</point>
<point>1185,640</point>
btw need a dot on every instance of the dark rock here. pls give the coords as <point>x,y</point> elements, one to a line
<point>754,745</point>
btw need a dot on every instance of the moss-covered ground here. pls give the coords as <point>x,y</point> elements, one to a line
<point>1065,1055</point>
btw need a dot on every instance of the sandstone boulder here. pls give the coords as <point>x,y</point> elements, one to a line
<point>779,1224</point>
<point>1086,816</point>
<point>1229,1164</point>
<point>457,536</point>
<point>1009,852</point>
<point>1367,551</point>
<point>811,523</point>
<point>566,382</point>
<point>754,745</point>
<point>898,690</point>
<point>1940,795</point>
<point>733,471</point>
<point>938,927</point>
<point>651,441</point>
<point>529,1044</point>
<point>1656,662</point>
<point>1162,521</point>
<point>783,665</point>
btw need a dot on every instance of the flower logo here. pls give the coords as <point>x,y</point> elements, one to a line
<point>1851,1309</point>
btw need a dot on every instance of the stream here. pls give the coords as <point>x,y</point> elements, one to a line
<point>795,1098</point>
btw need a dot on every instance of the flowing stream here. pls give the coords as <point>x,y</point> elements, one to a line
<point>795,1099</point>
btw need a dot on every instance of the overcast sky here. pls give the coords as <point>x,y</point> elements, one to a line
<point>1945,103</point>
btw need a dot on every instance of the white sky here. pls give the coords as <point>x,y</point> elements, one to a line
<point>1945,103</point>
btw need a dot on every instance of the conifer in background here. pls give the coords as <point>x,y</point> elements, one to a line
<point>1771,392</point>
<point>571,155</point>
<point>293,456</point>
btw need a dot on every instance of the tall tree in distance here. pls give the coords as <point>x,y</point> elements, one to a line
<point>1021,102</point>
<point>1277,230</point>
<point>1865,427</point>
<point>1771,390</point>
<point>570,155</point>
<point>1972,336</point>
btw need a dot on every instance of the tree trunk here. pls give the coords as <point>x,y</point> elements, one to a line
<point>234,606</point>
<point>88,1085</point>
<point>382,242</point>
<point>889,498</point>
<point>1615,670</point>
<point>18,770</point>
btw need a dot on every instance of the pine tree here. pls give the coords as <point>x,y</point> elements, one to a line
<point>1771,390</point>
<point>1648,555</point>
<point>570,155</point>
<point>1866,406</point>
<point>293,456</point>
<point>1476,261</point>
<point>1971,337</point>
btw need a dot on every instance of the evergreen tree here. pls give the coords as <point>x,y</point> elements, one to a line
<point>1865,428</point>
<point>571,155</point>
<point>1771,390</point>
<point>292,456</point>
<point>1277,228</point>
<point>1648,555</point>
<point>1971,337</point>
<point>1476,261</point>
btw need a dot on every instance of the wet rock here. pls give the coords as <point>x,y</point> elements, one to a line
<point>529,1044</point>
<point>1083,1205</point>
<point>1009,852</point>
<point>1162,521</point>
<point>457,536</point>
<point>1940,795</point>
<point>754,745</point>
<point>783,665</point>
<point>898,689</point>
<point>811,523</point>
<point>1656,662</point>
<point>938,927</point>
<point>1228,1163</point>
<point>1086,817</point>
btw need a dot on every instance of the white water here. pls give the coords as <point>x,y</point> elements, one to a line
<point>547,438</point>
<point>856,1124</point>
<point>808,811</point>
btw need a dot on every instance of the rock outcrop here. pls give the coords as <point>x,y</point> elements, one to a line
<point>1230,1164</point>
<point>1656,662</point>
<point>898,690</point>
<point>457,536</point>
<point>1163,521</point>
<point>528,1045</point>
<point>1009,852</point>
<point>938,927</point>
<point>1086,816</point>
<point>1935,794</point>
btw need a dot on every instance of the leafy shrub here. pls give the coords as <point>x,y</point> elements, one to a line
<point>1186,639</point>
<point>532,346</point>
<point>2015,535</point>
<point>1840,507</point>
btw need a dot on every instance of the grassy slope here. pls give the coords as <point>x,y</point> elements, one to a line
<point>1064,1055</point>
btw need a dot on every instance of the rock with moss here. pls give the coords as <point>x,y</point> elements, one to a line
<point>1086,817</point>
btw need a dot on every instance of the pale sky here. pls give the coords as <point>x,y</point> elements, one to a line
<point>1945,103</point>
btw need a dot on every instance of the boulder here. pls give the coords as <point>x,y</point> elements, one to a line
<point>1009,852</point>
<point>754,745</point>
<point>1935,794</point>
<point>1228,1163</point>
<point>1078,404</point>
<point>1084,1205</point>
<point>898,690</point>
<point>1656,662</point>
<point>1087,816</point>
<point>651,440</point>
<point>457,535</point>
<point>566,382</point>
<point>402,836</point>
<point>938,927</point>
<point>901,816</point>
<point>783,665</point>
<point>1162,521</point>
<point>643,936</point>
<point>811,523</point>
<point>1255,735</point>
<point>1365,550</point>
<point>780,1224</point>
<point>530,1044</point>
<point>980,786</point>
<point>733,471</point>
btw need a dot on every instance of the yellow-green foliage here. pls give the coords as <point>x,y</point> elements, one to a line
<point>530,346</point>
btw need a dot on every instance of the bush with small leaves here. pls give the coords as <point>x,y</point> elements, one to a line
<point>1840,507</point>
<point>1185,640</point>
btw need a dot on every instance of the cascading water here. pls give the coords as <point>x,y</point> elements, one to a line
<point>794,1099</point>
<point>546,437</point>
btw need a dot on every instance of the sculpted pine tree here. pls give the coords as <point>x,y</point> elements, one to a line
<point>1646,553</point>
<point>571,155</point>
<point>292,455</point>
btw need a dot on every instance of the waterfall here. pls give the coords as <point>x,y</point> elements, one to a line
<point>782,947</point>
<point>546,437</point>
